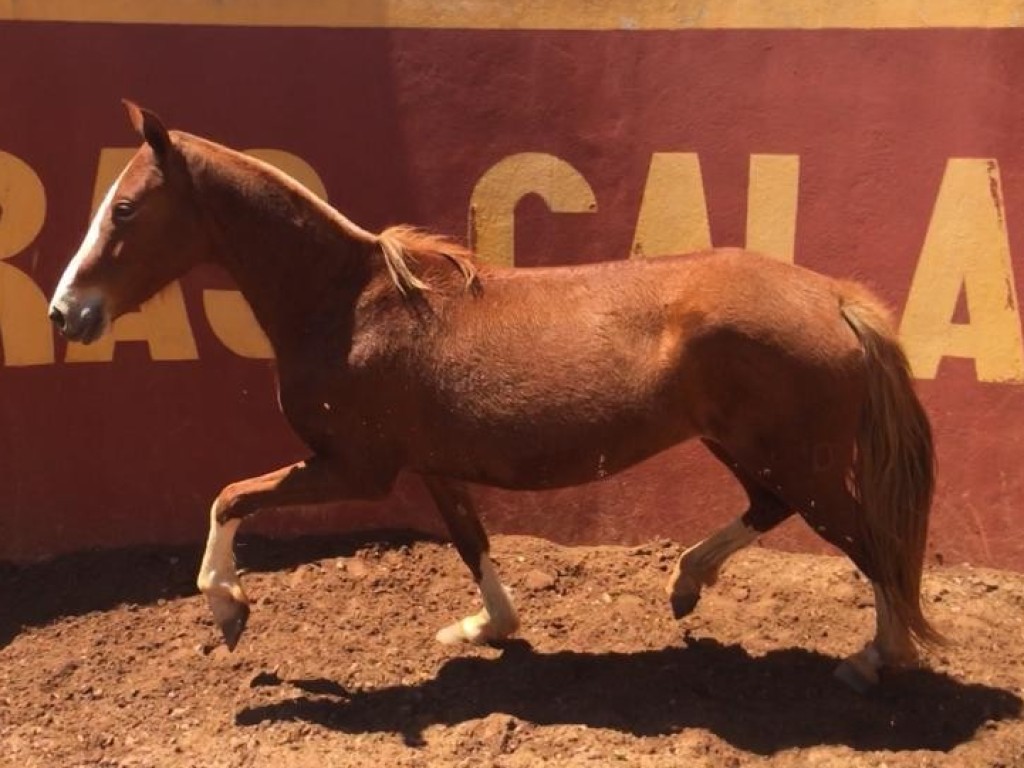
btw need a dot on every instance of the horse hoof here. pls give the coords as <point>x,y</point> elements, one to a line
<point>479,629</point>
<point>473,630</point>
<point>683,604</point>
<point>860,680</point>
<point>231,617</point>
<point>451,635</point>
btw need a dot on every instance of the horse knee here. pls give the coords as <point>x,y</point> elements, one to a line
<point>232,503</point>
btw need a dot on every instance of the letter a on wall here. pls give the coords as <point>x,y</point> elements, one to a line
<point>966,253</point>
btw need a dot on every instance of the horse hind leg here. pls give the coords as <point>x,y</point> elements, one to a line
<point>834,515</point>
<point>821,496</point>
<point>497,620</point>
<point>698,567</point>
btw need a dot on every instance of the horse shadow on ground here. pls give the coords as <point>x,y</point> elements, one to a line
<point>762,705</point>
<point>782,700</point>
<point>98,580</point>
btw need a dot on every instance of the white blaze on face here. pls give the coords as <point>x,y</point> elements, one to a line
<point>61,297</point>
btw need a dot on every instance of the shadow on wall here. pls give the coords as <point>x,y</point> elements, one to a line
<point>72,585</point>
<point>763,705</point>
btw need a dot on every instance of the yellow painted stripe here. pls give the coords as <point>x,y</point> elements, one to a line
<point>532,14</point>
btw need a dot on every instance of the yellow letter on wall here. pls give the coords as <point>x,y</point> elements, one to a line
<point>771,204</point>
<point>25,332</point>
<point>673,213</point>
<point>161,322</point>
<point>229,314</point>
<point>499,190</point>
<point>966,250</point>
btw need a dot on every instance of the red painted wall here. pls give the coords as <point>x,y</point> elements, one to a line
<point>401,124</point>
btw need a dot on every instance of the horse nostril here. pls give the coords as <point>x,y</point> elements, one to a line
<point>57,317</point>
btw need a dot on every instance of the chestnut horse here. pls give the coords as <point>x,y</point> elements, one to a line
<point>400,350</point>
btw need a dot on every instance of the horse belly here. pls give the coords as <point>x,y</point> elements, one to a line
<point>535,459</point>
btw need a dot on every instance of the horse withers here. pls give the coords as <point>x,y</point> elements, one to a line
<point>400,350</point>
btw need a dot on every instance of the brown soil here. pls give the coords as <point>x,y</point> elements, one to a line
<point>110,659</point>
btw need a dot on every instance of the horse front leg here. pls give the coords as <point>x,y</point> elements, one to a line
<point>497,620</point>
<point>307,483</point>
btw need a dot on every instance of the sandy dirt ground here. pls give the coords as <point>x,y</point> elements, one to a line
<point>111,660</point>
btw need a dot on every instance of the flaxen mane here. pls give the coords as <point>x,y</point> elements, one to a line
<point>404,245</point>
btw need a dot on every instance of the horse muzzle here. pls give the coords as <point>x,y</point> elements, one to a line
<point>81,319</point>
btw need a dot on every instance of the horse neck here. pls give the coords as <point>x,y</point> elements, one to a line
<point>300,265</point>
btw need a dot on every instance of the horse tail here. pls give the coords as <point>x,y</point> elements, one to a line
<point>894,464</point>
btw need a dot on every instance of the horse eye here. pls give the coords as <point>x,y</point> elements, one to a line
<point>123,211</point>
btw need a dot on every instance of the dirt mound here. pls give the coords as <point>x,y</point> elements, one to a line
<point>110,659</point>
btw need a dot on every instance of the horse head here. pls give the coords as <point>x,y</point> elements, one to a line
<point>147,231</point>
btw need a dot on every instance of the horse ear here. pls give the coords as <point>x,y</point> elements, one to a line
<point>150,127</point>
